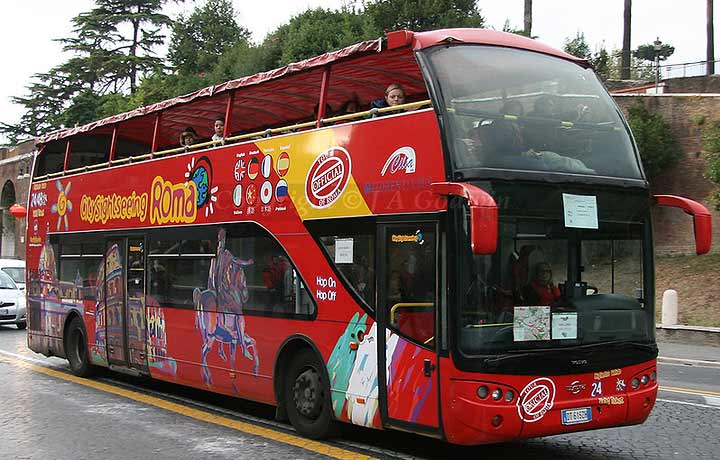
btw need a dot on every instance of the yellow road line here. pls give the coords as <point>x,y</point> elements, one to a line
<point>690,390</point>
<point>289,439</point>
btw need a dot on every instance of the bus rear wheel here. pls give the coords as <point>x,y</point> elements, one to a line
<point>307,396</point>
<point>76,349</point>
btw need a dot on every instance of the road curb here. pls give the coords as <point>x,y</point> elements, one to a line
<point>688,362</point>
<point>689,335</point>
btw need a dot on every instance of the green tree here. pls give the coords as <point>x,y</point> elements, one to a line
<point>601,60</point>
<point>200,39</point>
<point>658,148</point>
<point>115,41</point>
<point>647,52</point>
<point>420,15</point>
<point>316,31</point>
<point>44,103</point>
<point>711,148</point>
<point>578,46</point>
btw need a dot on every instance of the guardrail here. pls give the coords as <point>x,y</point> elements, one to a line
<point>264,134</point>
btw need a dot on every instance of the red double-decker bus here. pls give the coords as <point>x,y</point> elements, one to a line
<point>475,264</point>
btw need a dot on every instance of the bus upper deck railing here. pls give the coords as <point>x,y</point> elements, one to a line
<point>267,133</point>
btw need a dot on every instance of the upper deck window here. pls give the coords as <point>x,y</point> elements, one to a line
<point>519,110</point>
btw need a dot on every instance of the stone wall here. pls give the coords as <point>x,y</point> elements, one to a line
<point>700,84</point>
<point>15,166</point>
<point>685,114</point>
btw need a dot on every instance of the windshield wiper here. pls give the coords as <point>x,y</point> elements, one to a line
<point>513,355</point>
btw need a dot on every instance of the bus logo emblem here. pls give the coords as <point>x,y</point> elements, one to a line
<point>327,178</point>
<point>402,158</point>
<point>536,399</point>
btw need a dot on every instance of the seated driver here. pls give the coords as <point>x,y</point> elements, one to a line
<point>542,290</point>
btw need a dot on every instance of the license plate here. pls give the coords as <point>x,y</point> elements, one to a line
<point>3,312</point>
<point>575,416</point>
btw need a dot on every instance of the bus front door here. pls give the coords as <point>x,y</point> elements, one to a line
<point>125,302</point>
<point>407,312</point>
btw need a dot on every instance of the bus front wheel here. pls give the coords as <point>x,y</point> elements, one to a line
<point>307,396</point>
<point>76,349</point>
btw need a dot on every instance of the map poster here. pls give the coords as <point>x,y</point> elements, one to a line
<point>564,326</point>
<point>531,323</point>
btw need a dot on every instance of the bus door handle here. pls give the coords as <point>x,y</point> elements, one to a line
<point>428,367</point>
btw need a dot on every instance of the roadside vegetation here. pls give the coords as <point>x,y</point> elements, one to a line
<point>695,278</point>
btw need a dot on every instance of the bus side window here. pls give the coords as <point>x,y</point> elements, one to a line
<point>269,284</point>
<point>350,248</point>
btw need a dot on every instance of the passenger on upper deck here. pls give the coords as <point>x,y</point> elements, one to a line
<point>352,105</point>
<point>505,146</point>
<point>394,96</point>
<point>188,137</point>
<point>219,128</point>
<point>545,106</point>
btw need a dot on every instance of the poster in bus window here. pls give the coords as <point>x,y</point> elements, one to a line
<point>227,287</point>
<point>531,323</point>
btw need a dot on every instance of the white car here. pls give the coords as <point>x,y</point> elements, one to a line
<point>12,302</point>
<point>16,269</point>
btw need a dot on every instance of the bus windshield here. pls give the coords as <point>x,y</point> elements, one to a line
<point>519,110</point>
<point>548,286</point>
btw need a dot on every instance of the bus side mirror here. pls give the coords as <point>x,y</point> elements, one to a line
<point>701,218</point>
<point>483,214</point>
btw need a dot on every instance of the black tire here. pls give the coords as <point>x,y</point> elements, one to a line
<point>76,349</point>
<point>307,396</point>
<point>21,326</point>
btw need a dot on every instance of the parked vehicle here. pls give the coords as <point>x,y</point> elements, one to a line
<point>12,302</point>
<point>16,269</point>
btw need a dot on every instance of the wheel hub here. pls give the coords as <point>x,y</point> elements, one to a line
<point>307,394</point>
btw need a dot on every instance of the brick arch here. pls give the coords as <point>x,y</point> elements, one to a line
<point>7,222</point>
<point>7,198</point>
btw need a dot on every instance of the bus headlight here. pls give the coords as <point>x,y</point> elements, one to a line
<point>483,391</point>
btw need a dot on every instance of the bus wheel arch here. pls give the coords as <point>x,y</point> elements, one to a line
<point>75,343</point>
<point>300,368</point>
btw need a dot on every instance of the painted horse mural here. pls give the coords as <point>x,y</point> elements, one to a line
<point>219,310</point>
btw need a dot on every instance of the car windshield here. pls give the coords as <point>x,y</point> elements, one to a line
<point>16,273</point>
<point>520,110</point>
<point>549,286</point>
<point>6,282</point>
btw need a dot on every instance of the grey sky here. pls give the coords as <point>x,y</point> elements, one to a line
<point>28,27</point>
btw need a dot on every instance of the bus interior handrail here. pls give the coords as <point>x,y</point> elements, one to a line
<point>263,134</point>
<point>398,306</point>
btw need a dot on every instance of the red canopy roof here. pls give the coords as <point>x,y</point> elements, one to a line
<point>289,94</point>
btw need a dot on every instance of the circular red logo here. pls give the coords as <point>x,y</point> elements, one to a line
<point>327,178</point>
<point>536,399</point>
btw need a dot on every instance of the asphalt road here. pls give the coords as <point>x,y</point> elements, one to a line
<point>49,414</point>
